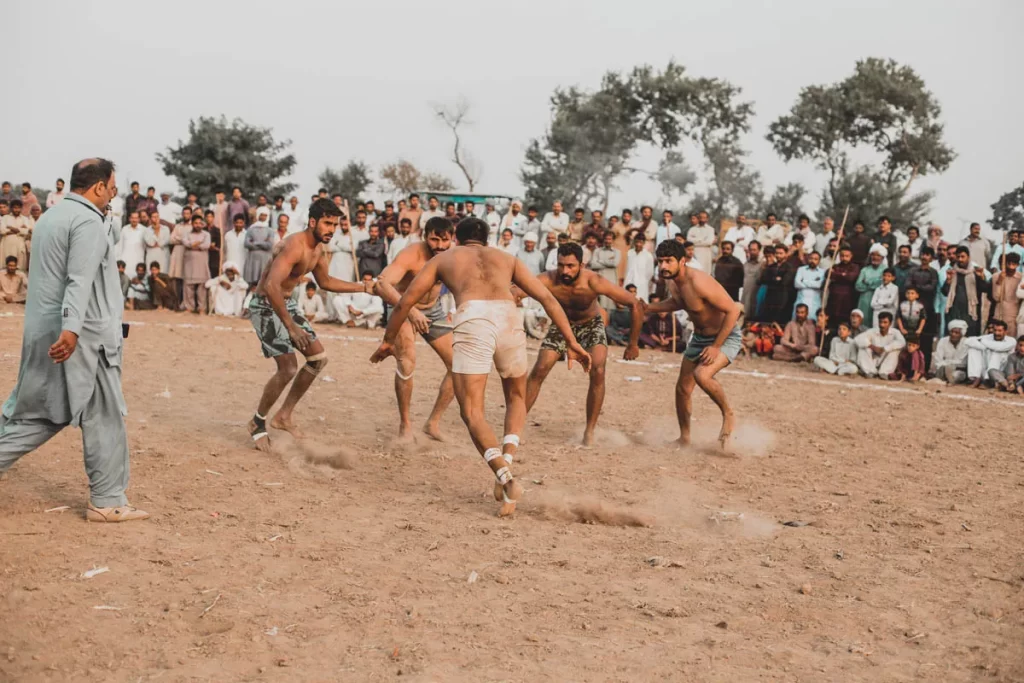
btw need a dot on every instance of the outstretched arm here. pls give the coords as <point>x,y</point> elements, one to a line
<point>333,284</point>
<point>621,296</point>
<point>417,289</point>
<point>526,281</point>
<point>386,290</point>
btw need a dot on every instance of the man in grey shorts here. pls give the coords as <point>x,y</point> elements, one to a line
<point>716,338</point>
<point>427,319</point>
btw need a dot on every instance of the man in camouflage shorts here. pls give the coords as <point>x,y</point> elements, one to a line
<point>577,290</point>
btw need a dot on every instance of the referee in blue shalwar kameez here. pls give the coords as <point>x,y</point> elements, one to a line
<point>70,371</point>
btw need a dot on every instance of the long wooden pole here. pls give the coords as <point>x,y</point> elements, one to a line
<point>828,278</point>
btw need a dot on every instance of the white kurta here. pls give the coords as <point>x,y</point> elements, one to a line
<point>131,248</point>
<point>821,243</point>
<point>741,237</point>
<point>640,272</point>
<point>552,223</point>
<point>341,247</point>
<point>234,248</point>
<point>517,224</point>
<point>227,301</point>
<point>427,215</point>
<point>169,212</point>
<point>872,364</point>
<point>158,247</point>
<point>703,238</point>
<point>397,245</point>
<point>370,308</point>
<point>313,307</point>
<point>985,353</point>
<point>809,240</point>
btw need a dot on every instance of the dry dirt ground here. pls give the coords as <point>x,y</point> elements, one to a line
<point>274,568</point>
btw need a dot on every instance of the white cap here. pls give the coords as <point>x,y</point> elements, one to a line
<point>530,237</point>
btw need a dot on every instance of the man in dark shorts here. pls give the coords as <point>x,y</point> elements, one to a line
<point>427,318</point>
<point>280,325</point>
<point>577,290</point>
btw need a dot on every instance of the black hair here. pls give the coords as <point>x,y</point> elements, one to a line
<point>434,197</point>
<point>120,263</point>
<point>668,211</point>
<point>885,315</point>
<point>996,322</point>
<point>914,227</point>
<point>150,188</point>
<point>578,210</point>
<point>309,286</point>
<point>927,251</point>
<point>571,249</point>
<point>803,217</point>
<point>198,215</point>
<point>336,194</point>
<point>913,339</point>
<point>322,190</point>
<point>904,246</point>
<point>88,172</point>
<point>845,324</point>
<point>798,237</point>
<point>671,249</point>
<point>770,215</point>
<point>729,243</point>
<point>451,204</point>
<point>804,306</point>
<point>975,224</point>
<point>405,220</point>
<point>471,229</point>
<point>235,187</point>
<point>889,271</point>
<point>910,287</point>
<point>238,217</point>
<point>752,243</point>
<point>883,219</point>
<point>155,264</point>
<point>413,195</point>
<point>1013,257</point>
<point>437,225</point>
<point>532,208</point>
<point>563,235</point>
<point>16,203</point>
<point>962,250</point>
<point>60,180</point>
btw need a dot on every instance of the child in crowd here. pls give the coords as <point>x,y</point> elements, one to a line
<point>910,366</point>
<point>886,298</point>
<point>911,316</point>
<point>842,354</point>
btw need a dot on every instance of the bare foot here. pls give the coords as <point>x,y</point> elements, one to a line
<point>433,431</point>
<point>725,436</point>
<point>405,434</point>
<point>261,443</point>
<point>588,437</point>
<point>512,491</point>
<point>976,383</point>
<point>286,425</point>
<point>684,439</point>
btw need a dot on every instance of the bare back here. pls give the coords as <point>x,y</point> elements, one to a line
<point>295,250</point>
<point>410,262</point>
<point>476,272</point>
<point>702,298</point>
<point>578,300</point>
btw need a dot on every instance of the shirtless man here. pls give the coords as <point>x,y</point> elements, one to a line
<point>427,318</point>
<point>487,328</point>
<point>576,290</point>
<point>716,338</point>
<point>279,323</point>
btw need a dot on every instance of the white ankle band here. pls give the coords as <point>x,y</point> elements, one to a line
<point>492,454</point>
<point>261,417</point>
<point>503,476</point>
<point>511,439</point>
<point>403,377</point>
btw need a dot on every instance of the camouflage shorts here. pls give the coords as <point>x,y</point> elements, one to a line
<point>271,331</point>
<point>589,333</point>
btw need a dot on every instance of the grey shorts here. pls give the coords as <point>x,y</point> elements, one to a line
<point>439,325</point>
<point>699,342</point>
<point>272,333</point>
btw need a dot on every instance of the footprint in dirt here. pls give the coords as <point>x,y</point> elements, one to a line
<point>749,439</point>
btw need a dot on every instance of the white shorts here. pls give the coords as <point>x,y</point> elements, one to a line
<point>486,332</point>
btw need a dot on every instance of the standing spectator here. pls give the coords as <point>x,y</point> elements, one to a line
<point>646,227</point>
<point>360,231</point>
<point>530,256</point>
<point>946,260</point>
<point>949,362</point>
<point>887,297</point>
<point>277,210</point>
<point>133,202</point>
<point>1013,246</point>
<point>804,230</point>
<point>493,219</point>
<point>741,235</point>
<point>507,242</point>
<point>342,249</point>
<point>157,239</point>
<point>886,239</point>
<point>170,212</point>
<point>860,244</point>
<point>605,262</point>
<point>640,267</point>
<point>809,281</point>
<point>389,218</point>
<point>228,291</point>
<point>870,279</point>
<point>370,254</point>
<point>414,213</point>
<point>282,230</point>
<point>668,230</point>
<point>15,232</point>
<point>196,266</point>
<point>56,195</point>
<point>910,365</point>
<point>589,247</point>
<point>13,283</point>
<point>516,222</point>
<point>934,240</point>
<point>221,217</point>
<point>729,271</point>
<point>403,239</point>
<point>777,280</point>
<point>263,203</point>
<point>296,217</point>
<point>234,242</point>
<point>978,247</point>
<point>1005,286</point>
<point>797,343</point>
<point>771,232</point>
<point>925,279</point>
<point>550,248</point>
<point>359,309</point>
<point>216,241</point>
<point>842,354</point>
<point>371,212</point>
<point>576,226</point>
<point>555,221</point>
<point>192,202</point>
<point>432,210</point>
<point>915,242</point>
<point>703,238</point>
<point>237,205</point>
<point>964,286</point>
<point>533,223</point>
<point>912,316</point>
<point>176,267</point>
<point>751,278</point>
<point>149,201</point>
<point>987,352</point>
<point>879,348</point>
<point>1011,376</point>
<point>312,306</point>
<point>902,268</point>
<point>6,193</point>
<point>259,241</point>
<point>131,248</point>
<point>28,199</point>
<point>828,234</point>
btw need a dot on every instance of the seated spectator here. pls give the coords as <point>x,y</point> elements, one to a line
<point>13,283</point>
<point>857,323</point>
<point>161,289</point>
<point>842,354</point>
<point>764,337</point>
<point>886,298</point>
<point>312,306</point>
<point>987,353</point>
<point>228,290</point>
<point>879,348</point>
<point>139,296</point>
<point>798,339</point>
<point>1011,377</point>
<point>125,279</point>
<point>822,334</point>
<point>620,321</point>
<point>910,366</point>
<point>949,362</point>
<point>659,331</point>
<point>359,309</point>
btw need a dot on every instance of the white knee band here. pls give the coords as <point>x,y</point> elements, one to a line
<point>503,476</point>
<point>404,377</point>
<point>511,439</point>
<point>492,454</point>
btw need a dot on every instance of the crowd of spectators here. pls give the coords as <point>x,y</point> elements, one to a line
<point>882,303</point>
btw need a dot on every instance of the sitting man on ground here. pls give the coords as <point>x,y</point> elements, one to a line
<point>949,362</point>
<point>842,354</point>
<point>797,343</point>
<point>879,348</point>
<point>139,297</point>
<point>1011,377</point>
<point>13,283</point>
<point>360,309</point>
<point>987,353</point>
<point>312,306</point>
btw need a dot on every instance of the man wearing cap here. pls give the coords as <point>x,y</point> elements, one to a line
<point>516,221</point>
<point>170,212</point>
<point>949,362</point>
<point>530,255</point>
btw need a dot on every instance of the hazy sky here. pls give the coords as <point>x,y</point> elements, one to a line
<point>354,80</point>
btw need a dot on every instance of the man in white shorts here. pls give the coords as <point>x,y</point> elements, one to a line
<point>487,331</point>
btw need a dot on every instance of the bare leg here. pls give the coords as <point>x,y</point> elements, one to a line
<point>287,366</point>
<point>445,393</point>
<point>469,390</point>
<point>705,378</point>
<point>546,360</point>
<point>684,400</point>
<point>595,394</point>
<point>303,380</point>
<point>515,411</point>
<point>405,366</point>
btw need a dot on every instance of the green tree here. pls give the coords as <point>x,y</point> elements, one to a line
<point>1008,211</point>
<point>786,202</point>
<point>882,108</point>
<point>220,153</point>
<point>869,194</point>
<point>350,182</point>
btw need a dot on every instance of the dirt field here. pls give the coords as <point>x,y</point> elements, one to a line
<point>271,568</point>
